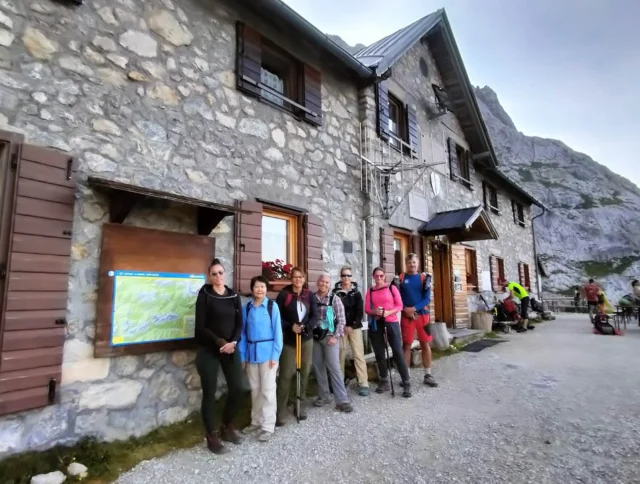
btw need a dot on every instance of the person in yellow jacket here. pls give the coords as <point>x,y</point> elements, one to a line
<point>517,291</point>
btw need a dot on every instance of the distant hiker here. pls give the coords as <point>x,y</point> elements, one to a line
<point>326,347</point>
<point>260,349</point>
<point>576,299</point>
<point>382,304</point>
<point>519,292</point>
<point>415,290</point>
<point>348,292</point>
<point>299,314</point>
<point>635,288</point>
<point>592,292</point>
<point>218,330</point>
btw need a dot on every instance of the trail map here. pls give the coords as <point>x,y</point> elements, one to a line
<point>153,306</point>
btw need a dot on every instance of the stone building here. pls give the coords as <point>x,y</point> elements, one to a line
<point>143,131</point>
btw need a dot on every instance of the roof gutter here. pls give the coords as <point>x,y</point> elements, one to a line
<point>279,8</point>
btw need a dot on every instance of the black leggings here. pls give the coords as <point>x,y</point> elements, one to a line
<point>395,342</point>
<point>208,365</point>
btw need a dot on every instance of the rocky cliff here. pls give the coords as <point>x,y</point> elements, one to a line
<point>593,226</point>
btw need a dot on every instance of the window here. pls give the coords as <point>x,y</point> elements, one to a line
<point>491,198</point>
<point>268,72</point>
<point>442,99</point>
<point>397,122</point>
<point>400,250</point>
<point>501,276</point>
<point>472,269</point>
<point>279,243</point>
<point>525,277</point>
<point>279,72</point>
<point>518,213</point>
<point>496,266</point>
<point>463,163</point>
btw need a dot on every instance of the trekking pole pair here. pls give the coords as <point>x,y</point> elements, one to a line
<point>389,366</point>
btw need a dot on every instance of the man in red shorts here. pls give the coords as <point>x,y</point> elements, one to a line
<point>415,290</point>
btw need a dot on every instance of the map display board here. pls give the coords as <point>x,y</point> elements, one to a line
<point>150,307</point>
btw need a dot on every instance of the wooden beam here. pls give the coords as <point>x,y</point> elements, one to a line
<point>120,204</point>
<point>208,219</point>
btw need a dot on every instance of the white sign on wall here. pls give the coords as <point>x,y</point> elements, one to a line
<point>418,206</point>
<point>486,281</point>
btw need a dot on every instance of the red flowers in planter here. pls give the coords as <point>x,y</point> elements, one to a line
<point>276,270</point>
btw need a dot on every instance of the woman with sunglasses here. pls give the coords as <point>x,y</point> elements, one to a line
<point>299,315</point>
<point>382,304</point>
<point>218,330</point>
<point>347,291</point>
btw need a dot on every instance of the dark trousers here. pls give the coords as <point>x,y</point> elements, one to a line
<point>208,365</point>
<point>288,372</point>
<point>395,342</point>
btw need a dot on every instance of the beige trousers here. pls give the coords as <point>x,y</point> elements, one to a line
<point>262,380</point>
<point>357,350</point>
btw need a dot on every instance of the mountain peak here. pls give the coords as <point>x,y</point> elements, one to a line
<point>489,97</point>
<point>336,39</point>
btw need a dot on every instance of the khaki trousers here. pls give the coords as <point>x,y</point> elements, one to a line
<point>357,350</point>
<point>262,380</point>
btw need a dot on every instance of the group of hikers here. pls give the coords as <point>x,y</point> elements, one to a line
<point>273,341</point>
<point>597,302</point>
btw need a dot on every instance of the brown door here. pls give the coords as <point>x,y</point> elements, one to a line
<point>400,250</point>
<point>442,294</point>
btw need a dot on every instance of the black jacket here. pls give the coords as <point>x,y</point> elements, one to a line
<point>287,303</point>
<point>218,318</point>
<point>353,304</point>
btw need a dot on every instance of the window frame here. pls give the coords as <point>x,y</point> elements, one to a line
<point>403,131</point>
<point>294,236</point>
<point>518,214</point>
<point>405,243</point>
<point>527,276</point>
<point>501,273</point>
<point>463,166</point>
<point>294,80</point>
<point>491,189</point>
<point>442,98</point>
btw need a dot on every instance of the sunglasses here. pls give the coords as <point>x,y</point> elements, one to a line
<point>219,273</point>
<point>378,276</point>
<point>345,275</point>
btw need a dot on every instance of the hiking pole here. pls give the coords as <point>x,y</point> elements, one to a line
<point>386,348</point>
<point>298,373</point>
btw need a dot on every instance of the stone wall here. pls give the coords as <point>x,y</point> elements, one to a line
<point>144,92</point>
<point>409,84</point>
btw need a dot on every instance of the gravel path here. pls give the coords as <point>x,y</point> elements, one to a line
<point>556,405</point>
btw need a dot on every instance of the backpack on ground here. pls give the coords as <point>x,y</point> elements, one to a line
<point>602,325</point>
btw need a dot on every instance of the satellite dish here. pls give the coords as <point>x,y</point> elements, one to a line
<point>435,184</point>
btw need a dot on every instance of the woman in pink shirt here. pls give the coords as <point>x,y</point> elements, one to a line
<point>383,304</point>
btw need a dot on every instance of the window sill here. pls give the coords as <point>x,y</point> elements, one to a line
<point>521,224</point>
<point>278,285</point>
<point>495,210</point>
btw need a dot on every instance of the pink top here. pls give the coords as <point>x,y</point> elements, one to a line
<point>382,297</point>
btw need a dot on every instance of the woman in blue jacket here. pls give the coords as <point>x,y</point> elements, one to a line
<point>260,347</point>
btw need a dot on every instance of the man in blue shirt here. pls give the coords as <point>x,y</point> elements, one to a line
<point>415,290</point>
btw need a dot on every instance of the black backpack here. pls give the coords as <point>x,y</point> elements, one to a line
<point>269,308</point>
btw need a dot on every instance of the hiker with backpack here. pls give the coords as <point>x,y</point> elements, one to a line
<point>592,293</point>
<point>382,304</point>
<point>260,348</point>
<point>299,315</point>
<point>415,290</point>
<point>326,347</point>
<point>519,292</point>
<point>217,332</point>
<point>347,291</point>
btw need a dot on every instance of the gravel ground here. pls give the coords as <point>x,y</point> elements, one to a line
<point>556,405</point>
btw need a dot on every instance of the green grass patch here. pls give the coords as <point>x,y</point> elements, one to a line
<point>492,335</point>
<point>608,201</point>
<point>525,175</point>
<point>612,266</point>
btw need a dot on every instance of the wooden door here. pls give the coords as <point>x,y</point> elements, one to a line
<point>442,284</point>
<point>400,250</point>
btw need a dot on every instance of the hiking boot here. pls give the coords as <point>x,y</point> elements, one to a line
<point>383,386</point>
<point>280,422</point>
<point>303,412</point>
<point>264,436</point>
<point>363,392</point>
<point>215,445</point>
<point>250,429</point>
<point>531,326</point>
<point>430,381</point>
<point>344,407</point>
<point>320,402</point>
<point>229,434</point>
<point>406,390</point>
<point>521,330</point>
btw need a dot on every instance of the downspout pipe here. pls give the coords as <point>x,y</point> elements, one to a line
<point>535,251</point>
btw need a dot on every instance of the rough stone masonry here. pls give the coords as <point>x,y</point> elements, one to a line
<point>144,92</point>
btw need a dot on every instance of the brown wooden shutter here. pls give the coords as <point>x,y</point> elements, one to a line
<point>248,59</point>
<point>412,128</point>
<point>514,209</point>
<point>416,248</point>
<point>313,95</point>
<point>314,263</point>
<point>495,272</point>
<point>484,195</point>
<point>248,246</point>
<point>387,255</point>
<point>35,297</point>
<point>382,103</point>
<point>527,276</point>
<point>521,274</point>
<point>454,167</point>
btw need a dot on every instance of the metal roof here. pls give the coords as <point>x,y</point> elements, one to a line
<point>472,221</point>
<point>385,52</point>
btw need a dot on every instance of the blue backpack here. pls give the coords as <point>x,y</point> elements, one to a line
<point>328,324</point>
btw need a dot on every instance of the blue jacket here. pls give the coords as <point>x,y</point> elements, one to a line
<point>261,339</point>
<point>414,294</point>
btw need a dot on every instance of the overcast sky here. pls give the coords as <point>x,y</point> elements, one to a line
<point>563,69</point>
